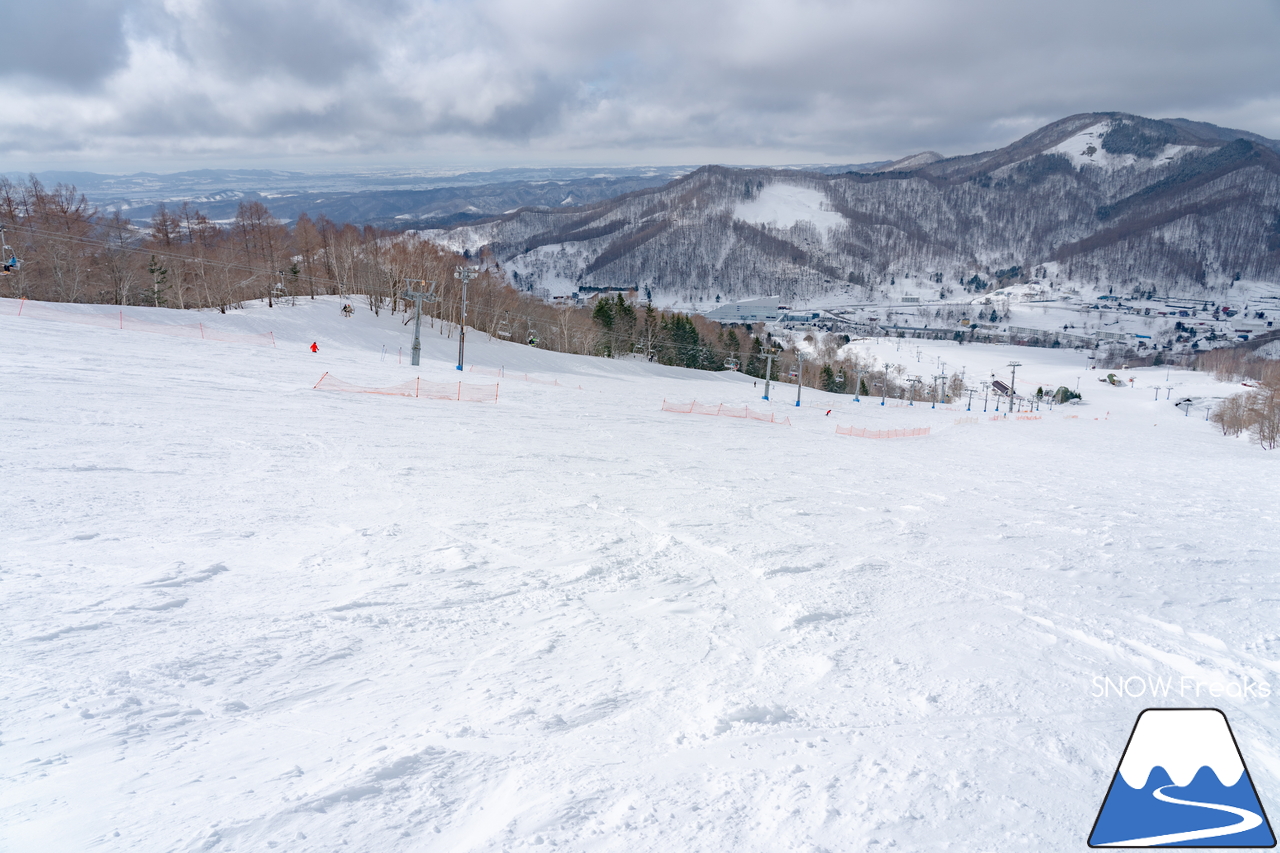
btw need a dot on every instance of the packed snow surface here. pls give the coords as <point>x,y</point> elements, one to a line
<point>784,205</point>
<point>241,614</point>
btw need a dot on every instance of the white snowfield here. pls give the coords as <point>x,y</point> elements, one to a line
<point>240,614</point>
<point>784,206</point>
<point>1077,150</point>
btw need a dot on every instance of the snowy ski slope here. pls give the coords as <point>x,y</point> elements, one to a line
<point>241,614</point>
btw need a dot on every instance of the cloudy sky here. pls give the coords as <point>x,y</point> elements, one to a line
<point>118,85</point>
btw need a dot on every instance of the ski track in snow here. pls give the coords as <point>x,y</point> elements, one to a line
<point>241,614</point>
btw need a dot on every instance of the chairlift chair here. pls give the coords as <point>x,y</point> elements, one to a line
<point>731,363</point>
<point>10,262</point>
<point>504,328</point>
<point>533,337</point>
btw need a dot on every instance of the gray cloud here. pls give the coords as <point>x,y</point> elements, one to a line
<point>501,80</point>
<point>70,42</point>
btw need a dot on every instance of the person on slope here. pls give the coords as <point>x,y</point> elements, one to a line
<point>315,347</point>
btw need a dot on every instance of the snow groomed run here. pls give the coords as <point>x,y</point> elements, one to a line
<point>240,614</point>
<point>111,317</point>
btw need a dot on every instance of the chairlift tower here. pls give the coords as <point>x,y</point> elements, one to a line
<point>768,372</point>
<point>418,298</point>
<point>464,275</point>
<point>914,381</point>
<point>799,375</point>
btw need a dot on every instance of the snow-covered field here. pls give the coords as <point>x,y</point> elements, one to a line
<point>784,205</point>
<point>240,614</point>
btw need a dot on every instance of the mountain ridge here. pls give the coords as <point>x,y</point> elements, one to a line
<point>1109,197</point>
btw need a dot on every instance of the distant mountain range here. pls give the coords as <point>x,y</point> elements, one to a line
<point>1133,202</point>
<point>392,199</point>
<point>386,198</point>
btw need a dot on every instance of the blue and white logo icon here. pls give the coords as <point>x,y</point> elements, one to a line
<point>1182,783</point>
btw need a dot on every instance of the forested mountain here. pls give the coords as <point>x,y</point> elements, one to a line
<point>1108,197</point>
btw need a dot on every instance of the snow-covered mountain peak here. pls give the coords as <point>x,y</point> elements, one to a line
<point>1181,741</point>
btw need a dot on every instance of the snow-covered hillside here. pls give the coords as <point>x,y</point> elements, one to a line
<point>241,614</point>
<point>1116,200</point>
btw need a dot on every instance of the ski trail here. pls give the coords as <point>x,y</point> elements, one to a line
<point>1248,820</point>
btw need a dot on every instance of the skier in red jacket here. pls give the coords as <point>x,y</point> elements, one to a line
<point>315,347</point>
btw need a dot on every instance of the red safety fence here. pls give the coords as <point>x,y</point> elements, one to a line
<point>118,319</point>
<point>416,388</point>
<point>858,432</point>
<point>501,372</point>
<point>746,412</point>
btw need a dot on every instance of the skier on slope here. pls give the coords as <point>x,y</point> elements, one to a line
<point>315,347</point>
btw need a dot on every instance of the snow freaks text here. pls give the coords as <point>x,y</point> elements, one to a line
<point>1181,687</point>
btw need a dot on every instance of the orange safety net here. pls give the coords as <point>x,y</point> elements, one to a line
<point>118,319</point>
<point>523,377</point>
<point>416,388</point>
<point>746,412</point>
<point>858,432</point>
